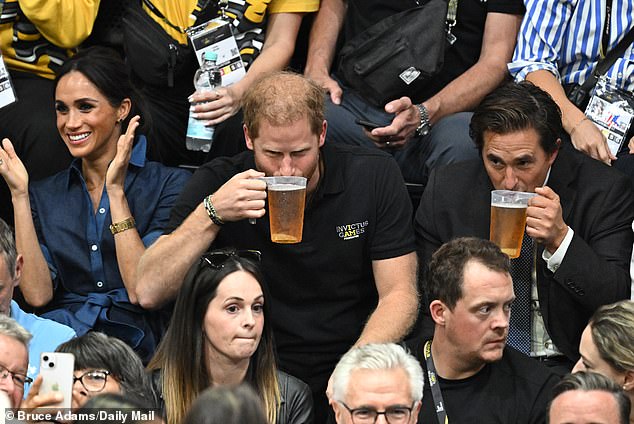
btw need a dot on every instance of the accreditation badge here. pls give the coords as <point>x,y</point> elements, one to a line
<point>612,110</point>
<point>216,36</point>
<point>7,93</point>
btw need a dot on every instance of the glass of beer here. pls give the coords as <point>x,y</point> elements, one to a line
<point>287,197</point>
<point>508,219</point>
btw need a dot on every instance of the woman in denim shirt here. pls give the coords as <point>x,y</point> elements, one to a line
<point>82,231</point>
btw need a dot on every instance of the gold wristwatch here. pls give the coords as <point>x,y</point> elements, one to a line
<point>126,224</point>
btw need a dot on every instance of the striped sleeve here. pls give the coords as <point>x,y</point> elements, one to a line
<point>564,37</point>
<point>541,37</point>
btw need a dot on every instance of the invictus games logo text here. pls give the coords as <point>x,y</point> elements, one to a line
<point>351,231</point>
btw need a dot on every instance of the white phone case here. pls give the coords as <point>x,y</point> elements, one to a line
<point>56,370</point>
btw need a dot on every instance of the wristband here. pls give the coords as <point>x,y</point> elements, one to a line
<point>121,226</point>
<point>211,211</point>
<point>585,118</point>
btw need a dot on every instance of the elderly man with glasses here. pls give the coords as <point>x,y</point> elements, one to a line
<point>377,382</point>
<point>14,361</point>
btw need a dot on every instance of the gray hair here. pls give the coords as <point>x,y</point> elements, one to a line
<point>377,356</point>
<point>7,247</point>
<point>10,328</point>
<point>590,381</point>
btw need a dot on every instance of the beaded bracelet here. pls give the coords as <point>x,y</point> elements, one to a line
<point>211,211</point>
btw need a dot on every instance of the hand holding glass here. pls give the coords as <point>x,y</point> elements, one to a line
<point>287,196</point>
<point>508,219</point>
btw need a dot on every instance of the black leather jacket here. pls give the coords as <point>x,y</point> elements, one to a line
<point>297,401</point>
<point>296,406</point>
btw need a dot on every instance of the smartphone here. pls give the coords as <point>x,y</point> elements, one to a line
<point>367,124</point>
<point>56,369</point>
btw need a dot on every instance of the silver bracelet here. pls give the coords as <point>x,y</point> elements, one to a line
<point>424,126</point>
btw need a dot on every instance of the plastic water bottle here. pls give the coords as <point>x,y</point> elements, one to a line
<point>207,78</point>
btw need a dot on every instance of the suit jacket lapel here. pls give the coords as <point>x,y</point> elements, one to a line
<point>562,176</point>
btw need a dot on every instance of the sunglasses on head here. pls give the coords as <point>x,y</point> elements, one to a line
<point>217,260</point>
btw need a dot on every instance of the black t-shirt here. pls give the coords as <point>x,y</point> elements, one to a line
<point>322,289</point>
<point>515,390</point>
<point>469,29</point>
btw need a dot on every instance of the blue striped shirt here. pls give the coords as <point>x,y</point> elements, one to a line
<point>564,37</point>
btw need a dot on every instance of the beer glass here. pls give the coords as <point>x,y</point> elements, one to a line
<point>508,219</point>
<point>287,196</point>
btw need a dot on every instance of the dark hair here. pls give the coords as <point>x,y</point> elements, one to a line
<point>96,350</point>
<point>104,68</point>
<point>515,107</point>
<point>590,381</point>
<point>446,268</point>
<point>180,355</point>
<point>227,405</point>
<point>110,403</point>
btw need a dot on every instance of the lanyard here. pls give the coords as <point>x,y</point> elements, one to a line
<point>605,38</point>
<point>439,404</point>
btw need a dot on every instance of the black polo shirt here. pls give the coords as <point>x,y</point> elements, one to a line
<point>322,289</point>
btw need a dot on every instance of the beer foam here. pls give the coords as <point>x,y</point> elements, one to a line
<point>509,205</point>
<point>285,187</point>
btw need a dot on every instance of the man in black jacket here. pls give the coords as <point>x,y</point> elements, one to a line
<point>580,219</point>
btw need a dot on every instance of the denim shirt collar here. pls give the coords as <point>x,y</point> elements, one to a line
<point>137,158</point>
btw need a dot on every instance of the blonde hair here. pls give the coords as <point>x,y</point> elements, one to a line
<point>281,98</point>
<point>612,332</point>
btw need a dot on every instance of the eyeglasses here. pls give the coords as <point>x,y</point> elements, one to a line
<point>93,381</point>
<point>217,260</point>
<point>393,414</point>
<point>18,379</point>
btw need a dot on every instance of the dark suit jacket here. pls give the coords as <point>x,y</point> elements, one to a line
<point>597,203</point>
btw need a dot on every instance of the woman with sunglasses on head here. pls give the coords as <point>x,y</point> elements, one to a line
<point>219,336</point>
<point>105,364</point>
<point>82,231</point>
<point>607,345</point>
